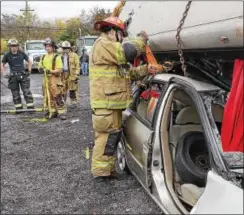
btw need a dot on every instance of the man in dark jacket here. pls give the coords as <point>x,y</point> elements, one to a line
<point>84,59</point>
<point>18,77</point>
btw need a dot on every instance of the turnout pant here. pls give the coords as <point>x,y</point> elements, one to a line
<point>71,86</point>
<point>17,81</point>
<point>107,125</point>
<point>55,90</point>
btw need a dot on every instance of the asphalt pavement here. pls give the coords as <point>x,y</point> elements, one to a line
<point>45,166</point>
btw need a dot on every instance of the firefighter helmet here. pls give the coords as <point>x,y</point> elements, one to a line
<point>59,44</point>
<point>50,42</point>
<point>110,21</point>
<point>13,42</point>
<point>66,44</point>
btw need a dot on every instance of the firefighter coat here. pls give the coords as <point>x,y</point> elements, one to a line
<point>110,81</point>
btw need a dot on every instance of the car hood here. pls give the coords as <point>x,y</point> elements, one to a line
<point>34,52</point>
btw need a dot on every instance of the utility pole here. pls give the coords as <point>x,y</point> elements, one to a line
<point>27,9</point>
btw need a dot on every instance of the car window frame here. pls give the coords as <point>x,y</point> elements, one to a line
<point>135,103</point>
<point>217,161</point>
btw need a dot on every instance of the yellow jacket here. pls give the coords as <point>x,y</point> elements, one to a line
<point>74,65</point>
<point>110,80</point>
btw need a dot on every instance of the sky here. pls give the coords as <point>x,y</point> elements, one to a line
<point>50,10</point>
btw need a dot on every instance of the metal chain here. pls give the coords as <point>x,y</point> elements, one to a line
<point>180,52</point>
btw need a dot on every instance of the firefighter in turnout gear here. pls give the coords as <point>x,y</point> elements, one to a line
<point>74,49</point>
<point>51,64</point>
<point>110,90</point>
<point>18,78</point>
<point>71,70</point>
<point>60,50</point>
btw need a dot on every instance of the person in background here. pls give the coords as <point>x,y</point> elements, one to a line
<point>74,49</point>
<point>18,78</point>
<point>70,74</point>
<point>52,64</point>
<point>84,59</point>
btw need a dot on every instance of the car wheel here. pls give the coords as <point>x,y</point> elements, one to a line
<point>121,159</point>
<point>192,158</point>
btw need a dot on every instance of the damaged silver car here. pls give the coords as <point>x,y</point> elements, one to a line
<point>171,144</point>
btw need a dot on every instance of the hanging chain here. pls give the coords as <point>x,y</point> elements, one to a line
<point>180,52</point>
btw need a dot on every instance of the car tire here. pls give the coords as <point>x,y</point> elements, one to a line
<point>121,165</point>
<point>192,158</point>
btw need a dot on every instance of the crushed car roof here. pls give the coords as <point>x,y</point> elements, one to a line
<point>198,85</point>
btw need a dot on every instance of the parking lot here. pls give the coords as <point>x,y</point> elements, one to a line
<point>45,166</point>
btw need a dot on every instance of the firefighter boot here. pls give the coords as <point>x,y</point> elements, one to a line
<point>101,185</point>
<point>117,176</point>
<point>63,116</point>
<point>17,99</point>
<point>53,115</point>
<point>73,98</point>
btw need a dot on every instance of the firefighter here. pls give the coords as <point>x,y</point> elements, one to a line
<point>74,49</point>
<point>71,70</point>
<point>52,64</point>
<point>59,49</point>
<point>110,90</point>
<point>18,77</point>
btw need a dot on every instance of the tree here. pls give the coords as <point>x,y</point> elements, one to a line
<point>25,26</point>
<point>28,25</point>
<point>94,15</point>
<point>97,14</point>
<point>4,45</point>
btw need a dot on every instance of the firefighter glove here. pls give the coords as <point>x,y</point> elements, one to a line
<point>144,36</point>
<point>154,68</point>
<point>27,74</point>
<point>41,70</point>
<point>48,72</point>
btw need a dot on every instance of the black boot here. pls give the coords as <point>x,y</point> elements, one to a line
<point>102,185</point>
<point>30,106</point>
<point>63,116</point>
<point>118,176</point>
<point>18,107</point>
<point>53,115</point>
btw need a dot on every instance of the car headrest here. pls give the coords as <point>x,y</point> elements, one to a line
<point>187,115</point>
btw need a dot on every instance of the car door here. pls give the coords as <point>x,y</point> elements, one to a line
<point>138,133</point>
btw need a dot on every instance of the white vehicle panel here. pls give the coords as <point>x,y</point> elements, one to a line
<point>220,197</point>
<point>205,24</point>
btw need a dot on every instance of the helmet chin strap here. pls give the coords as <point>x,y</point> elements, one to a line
<point>117,36</point>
